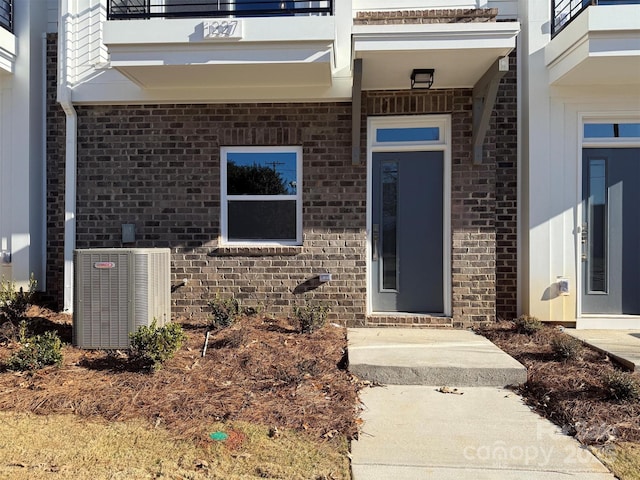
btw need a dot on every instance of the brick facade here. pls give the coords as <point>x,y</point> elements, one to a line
<point>55,180</point>
<point>158,167</point>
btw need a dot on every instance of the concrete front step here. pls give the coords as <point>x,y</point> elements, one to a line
<point>457,358</point>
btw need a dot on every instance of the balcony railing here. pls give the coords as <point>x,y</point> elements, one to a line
<point>6,14</point>
<point>135,9</point>
<point>565,11</point>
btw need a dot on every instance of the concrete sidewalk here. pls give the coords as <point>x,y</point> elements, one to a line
<point>478,432</point>
<point>621,345</point>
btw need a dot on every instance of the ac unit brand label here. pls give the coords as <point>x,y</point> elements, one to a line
<point>103,265</point>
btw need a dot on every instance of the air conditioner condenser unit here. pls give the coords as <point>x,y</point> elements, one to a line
<point>117,290</point>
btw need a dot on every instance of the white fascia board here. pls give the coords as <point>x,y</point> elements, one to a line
<point>450,36</point>
<point>190,31</point>
<point>221,54</point>
<point>112,87</point>
<point>8,50</point>
<point>613,17</point>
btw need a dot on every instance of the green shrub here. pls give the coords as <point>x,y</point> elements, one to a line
<point>567,347</point>
<point>527,324</point>
<point>311,317</point>
<point>225,312</point>
<point>151,345</point>
<point>37,352</point>
<point>14,303</point>
<point>622,386</point>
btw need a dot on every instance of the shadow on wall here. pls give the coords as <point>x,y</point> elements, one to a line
<point>308,285</point>
<point>551,292</point>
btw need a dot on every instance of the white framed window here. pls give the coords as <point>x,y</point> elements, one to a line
<point>261,195</point>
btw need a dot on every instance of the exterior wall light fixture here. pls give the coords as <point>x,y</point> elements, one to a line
<point>422,78</point>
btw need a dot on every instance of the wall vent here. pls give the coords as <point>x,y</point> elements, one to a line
<point>116,290</point>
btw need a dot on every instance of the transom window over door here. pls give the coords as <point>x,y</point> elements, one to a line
<point>261,195</point>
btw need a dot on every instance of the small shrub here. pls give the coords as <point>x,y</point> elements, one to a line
<point>37,352</point>
<point>527,324</point>
<point>14,303</point>
<point>151,345</point>
<point>567,347</point>
<point>622,386</point>
<point>311,317</point>
<point>225,312</point>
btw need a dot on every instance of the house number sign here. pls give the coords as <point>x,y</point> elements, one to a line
<point>222,29</point>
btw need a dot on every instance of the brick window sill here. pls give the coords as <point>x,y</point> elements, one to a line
<point>256,251</point>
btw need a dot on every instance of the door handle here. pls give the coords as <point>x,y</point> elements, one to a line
<point>584,239</point>
<point>375,239</point>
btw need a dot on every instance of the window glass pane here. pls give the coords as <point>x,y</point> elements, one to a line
<point>611,130</point>
<point>424,134</point>
<point>262,220</point>
<point>628,130</point>
<point>389,244</point>
<point>597,227</point>
<point>261,173</point>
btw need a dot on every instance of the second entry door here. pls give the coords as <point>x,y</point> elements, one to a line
<point>407,232</point>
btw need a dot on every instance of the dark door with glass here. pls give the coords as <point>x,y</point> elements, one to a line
<point>611,231</point>
<point>407,232</point>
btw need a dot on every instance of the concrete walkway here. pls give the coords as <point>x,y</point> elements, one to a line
<point>621,345</point>
<point>473,429</point>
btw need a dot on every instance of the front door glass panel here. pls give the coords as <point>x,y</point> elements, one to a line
<point>389,225</point>
<point>597,226</point>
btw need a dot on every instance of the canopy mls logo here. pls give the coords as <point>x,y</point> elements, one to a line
<point>219,29</point>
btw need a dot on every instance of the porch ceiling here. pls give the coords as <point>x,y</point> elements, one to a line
<point>216,69</point>
<point>460,53</point>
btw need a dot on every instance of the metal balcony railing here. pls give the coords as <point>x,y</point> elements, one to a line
<point>565,11</point>
<point>6,14</point>
<point>135,9</point>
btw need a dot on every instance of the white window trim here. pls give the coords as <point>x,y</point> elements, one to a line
<point>443,145</point>
<point>224,198</point>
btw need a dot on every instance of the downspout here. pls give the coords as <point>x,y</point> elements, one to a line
<point>65,48</point>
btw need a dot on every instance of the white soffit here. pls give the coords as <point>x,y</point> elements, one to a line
<point>460,53</point>
<point>600,47</point>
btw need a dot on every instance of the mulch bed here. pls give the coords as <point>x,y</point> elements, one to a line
<point>258,370</point>
<point>571,393</point>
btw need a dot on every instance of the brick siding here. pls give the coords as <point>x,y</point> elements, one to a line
<point>158,167</point>
<point>450,15</point>
<point>55,181</point>
<point>505,132</point>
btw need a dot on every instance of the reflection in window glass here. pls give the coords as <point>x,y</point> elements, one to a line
<point>419,134</point>
<point>612,130</point>
<point>597,226</point>
<point>261,173</point>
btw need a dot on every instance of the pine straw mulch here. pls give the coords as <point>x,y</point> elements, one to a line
<point>570,393</point>
<point>259,370</point>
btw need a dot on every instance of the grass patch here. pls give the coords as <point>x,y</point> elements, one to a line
<point>623,459</point>
<point>64,446</point>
